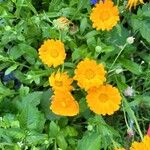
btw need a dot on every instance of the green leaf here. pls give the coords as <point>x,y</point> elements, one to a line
<point>83,3</point>
<point>90,141</point>
<point>35,138</point>
<point>79,53</point>
<point>15,133</point>
<point>16,52</point>
<point>131,66</point>
<point>32,99</point>
<point>70,131</point>
<point>53,129</point>
<point>32,119</point>
<point>45,105</point>
<point>91,34</point>
<point>141,21</point>
<point>145,29</point>
<point>54,5</point>
<point>10,69</point>
<point>62,142</point>
<point>83,25</point>
<point>91,42</point>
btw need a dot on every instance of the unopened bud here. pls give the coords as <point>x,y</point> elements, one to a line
<point>90,127</point>
<point>130,40</point>
<point>119,70</point>
<point>130,132</point>
<point>129,91</point>
<point>98,49</point>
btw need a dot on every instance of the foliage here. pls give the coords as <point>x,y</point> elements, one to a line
<point>26,122</point>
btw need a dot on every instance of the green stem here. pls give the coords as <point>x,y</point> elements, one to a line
<point>132,115</point>
<point>117,57</point>
<point>125,118</point>
<point>62,69</point>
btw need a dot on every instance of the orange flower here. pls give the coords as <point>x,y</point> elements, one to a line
<point>60,81</point>
<point>89,74</point>
<point>132,3</point>
<point>104,15</point>
<point>64,104</point>
<point>104,99</point>
<point>52,53</point>
<point>144,145</point>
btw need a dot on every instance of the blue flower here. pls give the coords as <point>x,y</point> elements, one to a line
<point>11,76</point>
<point>94,2</point>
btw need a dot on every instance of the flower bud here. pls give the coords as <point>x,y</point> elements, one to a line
<point>90,127</point>
<point>129,91</point>
<point>98,49</point>
<point>119,70</point>
<point>130,40</point>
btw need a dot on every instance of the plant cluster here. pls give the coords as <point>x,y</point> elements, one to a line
<point>74,75</point>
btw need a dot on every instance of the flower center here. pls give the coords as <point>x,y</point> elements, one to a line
<point>54,53</point>
<point>105,15</point>
<point>58,83</point>
<point>103,98</point>
<point>63,104</point>
<point>89,74</point>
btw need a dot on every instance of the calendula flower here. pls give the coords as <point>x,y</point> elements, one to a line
<point>104,99</point>
<point>144,145</point>
<point>60,81</point>
<point>104,15</point>
<point>52,53</point>
<point>89,74</point>
<point>133,3</point>
<point>62,23</point>
<point>64,104</point>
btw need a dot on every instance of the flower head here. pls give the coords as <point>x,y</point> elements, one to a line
<point>104,15</point>
<point>62,23</point>
<point>133,3</point>
<point>89,74</point>
<point>52,53</point>
<point>60,81</point>
<point>104,99</point>
<point>64,104</point>
<point>144,145</point>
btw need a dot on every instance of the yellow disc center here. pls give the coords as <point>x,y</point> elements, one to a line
<point>103,98</point>
<point>89,74</point>
<point>54,53</point>
<point>63,104</point>
<point>105,15</point>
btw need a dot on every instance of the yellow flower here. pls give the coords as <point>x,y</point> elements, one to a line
<point>89,74</point>
<point>52,53</point>
<point>132,3</point>
<point>104,15</point>
<point>64,104</point>
<point>104,99</point>
<point>144,145</point>
<point>60,81</point>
